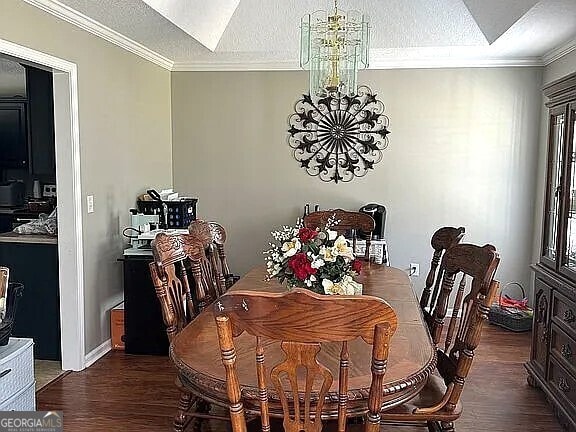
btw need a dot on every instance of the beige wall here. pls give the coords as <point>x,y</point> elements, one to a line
<point>125,137</point>
<point>463,151</point>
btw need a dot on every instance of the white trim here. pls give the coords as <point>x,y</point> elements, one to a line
<point>235,66</point>
<point>78,19</point>
<point>559,52</point>
<point>452,62</point>
<point>70,247</point>
<point>98,352</point>
<point>375,64</point>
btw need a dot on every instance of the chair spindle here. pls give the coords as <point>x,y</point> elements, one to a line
<point>236,407</point>
<point>343,387</point>
<point>455,311</point>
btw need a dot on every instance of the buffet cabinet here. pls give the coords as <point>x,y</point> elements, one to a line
<point>552,364</point>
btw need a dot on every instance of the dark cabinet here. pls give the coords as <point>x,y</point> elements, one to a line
<point>27,127</point>
<point>554,327</point>
<point>41,121</point>
<point>38,316</point>
<point>13,134</point>
<point>540,333</point>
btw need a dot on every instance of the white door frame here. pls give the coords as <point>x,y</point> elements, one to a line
<point>68,179</point>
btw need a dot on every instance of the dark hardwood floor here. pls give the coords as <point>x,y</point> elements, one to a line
<point>136,393</point>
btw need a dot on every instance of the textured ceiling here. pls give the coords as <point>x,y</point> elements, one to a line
<point>266,32</point>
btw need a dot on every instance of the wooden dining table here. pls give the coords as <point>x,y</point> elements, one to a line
<point>412,358</point>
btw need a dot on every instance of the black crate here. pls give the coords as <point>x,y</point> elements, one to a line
<point>180,213</point>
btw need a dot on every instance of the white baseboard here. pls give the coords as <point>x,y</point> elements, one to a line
<point>97,353</point>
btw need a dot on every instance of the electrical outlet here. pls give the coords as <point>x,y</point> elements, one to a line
<point>414,269</point>
<point>90,203</point>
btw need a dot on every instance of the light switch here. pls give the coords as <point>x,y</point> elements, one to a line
<point>90,203</point>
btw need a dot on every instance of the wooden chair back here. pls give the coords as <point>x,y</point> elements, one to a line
<point>442,239</point>
<point>474,268</point>
<point>177,277</point>
<point>302,320</point>
<point>219,239</point>
<point>213,236</point>
<point>350,224</point>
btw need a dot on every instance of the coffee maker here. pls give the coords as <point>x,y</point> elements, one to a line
<point>378,213</point>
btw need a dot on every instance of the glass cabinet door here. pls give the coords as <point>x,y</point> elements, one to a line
<point>569,255</point>
<point>554,185</point>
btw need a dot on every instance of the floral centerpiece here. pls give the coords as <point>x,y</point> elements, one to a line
<point>317,259</point>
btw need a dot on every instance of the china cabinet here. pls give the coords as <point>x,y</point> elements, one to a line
<point>552,364</point>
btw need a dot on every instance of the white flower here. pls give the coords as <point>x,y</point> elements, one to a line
<point>291,247</point>
<point>332,234</point>
<point>273,270</point>
<point>342,248</point>
<point>313,278</point>
<point>350,286</point>
<point>331,288</point>
<point>327,254</point>
<point>317,263</point>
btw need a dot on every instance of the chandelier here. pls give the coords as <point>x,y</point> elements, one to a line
<point>333,46</point>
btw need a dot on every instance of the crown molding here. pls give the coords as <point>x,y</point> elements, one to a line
<point>375,64</point>
<point>453,62</point>
<point>557,53</point>
<point>236,66</point>
<point>78,19</point>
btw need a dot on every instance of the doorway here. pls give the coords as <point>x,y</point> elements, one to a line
<point>68,179</point>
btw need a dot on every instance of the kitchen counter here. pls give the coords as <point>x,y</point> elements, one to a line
<point>11,237</point>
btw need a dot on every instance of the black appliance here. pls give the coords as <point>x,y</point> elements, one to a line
<point>12,193</point>
<point>13,140</point>
<point>378,212</point>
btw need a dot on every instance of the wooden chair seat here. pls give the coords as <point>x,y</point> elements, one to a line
<point>431,395</point>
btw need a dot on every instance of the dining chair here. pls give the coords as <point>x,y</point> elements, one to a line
<point>438,405</point>
<point>181,287</point>
<point>213,236</point>
<point>442,239</point>
<point>302,321</point>
<point>351,223</point>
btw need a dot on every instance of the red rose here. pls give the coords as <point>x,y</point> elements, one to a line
<point>301,267</point>
<point>306,234</point>
<point>357,266</point>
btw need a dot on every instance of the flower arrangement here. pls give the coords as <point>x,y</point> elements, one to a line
<point>317,259</point>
